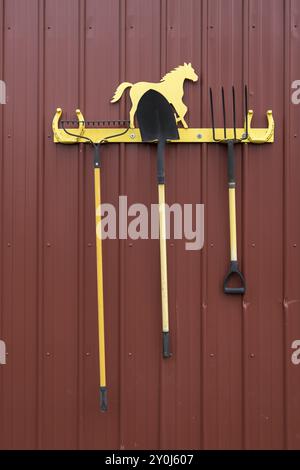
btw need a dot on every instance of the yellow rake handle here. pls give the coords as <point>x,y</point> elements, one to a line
<point>103,390</point>
<point>163,270</point>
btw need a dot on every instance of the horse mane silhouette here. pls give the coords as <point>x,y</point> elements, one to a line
<point>170,86</point>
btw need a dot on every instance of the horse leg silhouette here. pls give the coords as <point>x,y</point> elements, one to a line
<point>132,113</point>
<point>136,92</point>
<point>181,110</point>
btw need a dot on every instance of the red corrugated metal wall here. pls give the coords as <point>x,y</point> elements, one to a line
<point>231,382</point>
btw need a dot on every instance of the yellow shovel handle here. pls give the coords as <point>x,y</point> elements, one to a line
<point>163,270</point>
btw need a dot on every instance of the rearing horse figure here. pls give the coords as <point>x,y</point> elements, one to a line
<point>170,86</point>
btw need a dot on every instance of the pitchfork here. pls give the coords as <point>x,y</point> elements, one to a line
<point>230,141</point>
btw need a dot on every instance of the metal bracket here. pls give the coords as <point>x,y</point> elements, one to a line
<point>189,135</point>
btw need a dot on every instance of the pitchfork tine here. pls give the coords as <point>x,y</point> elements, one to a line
<point>212,113</point>
<point>233,109</point>
<point>224,112</point>
<point>246,110</point>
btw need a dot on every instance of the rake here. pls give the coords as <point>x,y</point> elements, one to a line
<point>97,189</point>
<point>230,139</point>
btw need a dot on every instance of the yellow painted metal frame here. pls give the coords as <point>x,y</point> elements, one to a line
<point>189,135</point>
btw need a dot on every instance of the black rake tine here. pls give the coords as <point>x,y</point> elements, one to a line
<point>246,110</point>
<point>212,113</point>
<point>233,109</point>
<point>224,112</point>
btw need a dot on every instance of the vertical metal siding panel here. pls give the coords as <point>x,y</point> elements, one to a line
<point>60,243</point>
<point>2,272</point>
<point>101,430</point>
<point>81,280</point>
<point>183,186</point>
<point>40,216</point>
<point>244,227</point>
<point>204,197</point>
<point>264,395</point>
<point>222,386</point>
<point>122,242</point>
<point>7,208</point>
<point>19,311</point>
<point>142,309</point>
<point>291,249</point>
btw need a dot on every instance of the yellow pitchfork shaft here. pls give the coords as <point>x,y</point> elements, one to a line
<point>97,176</point>
<point>163,269</point>
<point>232,223</point>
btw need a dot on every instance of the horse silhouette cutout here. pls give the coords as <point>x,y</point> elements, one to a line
<point>170,86</point>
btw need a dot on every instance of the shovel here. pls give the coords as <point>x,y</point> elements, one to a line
<point>157,122</point>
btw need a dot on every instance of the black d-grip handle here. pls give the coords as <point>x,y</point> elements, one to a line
<point>234,272</point>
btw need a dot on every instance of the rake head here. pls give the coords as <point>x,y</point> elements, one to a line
<point>91,124</point>
<point>225,129</point>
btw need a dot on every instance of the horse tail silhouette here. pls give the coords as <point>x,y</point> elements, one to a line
<point>120,90</point>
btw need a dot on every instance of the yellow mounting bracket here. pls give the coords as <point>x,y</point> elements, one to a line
<point>59,133</point>
<point>171,87</point>
<point>189,135</point>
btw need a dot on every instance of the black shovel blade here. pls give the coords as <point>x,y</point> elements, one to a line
<point>156,118</point>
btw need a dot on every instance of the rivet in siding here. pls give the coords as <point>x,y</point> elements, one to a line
<point>9,245</point>
<point>295,135</point>
<point>47,354</point>
<point>296,26</point>
<point>171,27</point>
<point>9,136</point>
<point>253,245</point>
<point>8,27</point>
<point>211,26</point>
<point>253,26</point>
<point>48,245</point>
<point>130,354</point>
<point>252,355</point>
<point>90,244</point>
<point>172,244</point>
<point>212,245</point>
<point>87,353</point>
<point>295,245</point>
<point>131,27</point>
<point>130,244</point>
<point>90,27</point>
<point>49,27</point>
<point>212,355</point>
